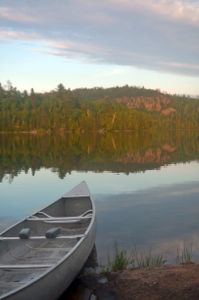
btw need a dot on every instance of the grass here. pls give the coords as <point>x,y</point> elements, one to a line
<point>185,255</point>
<point>122,260</point>
<point>119,261</point>
<point>148,260</point>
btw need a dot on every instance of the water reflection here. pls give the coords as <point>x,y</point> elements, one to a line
<point>121,152</point>
<point>159,219</point>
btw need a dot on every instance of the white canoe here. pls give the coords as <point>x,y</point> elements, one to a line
<point>41,255</point>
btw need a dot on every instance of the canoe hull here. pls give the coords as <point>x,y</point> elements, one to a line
<point>54,283</point>
<point>50,283</point>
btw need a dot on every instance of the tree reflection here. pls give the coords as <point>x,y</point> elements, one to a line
<point>118,152</point>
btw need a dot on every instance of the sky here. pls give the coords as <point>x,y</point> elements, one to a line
<point>87,43</point>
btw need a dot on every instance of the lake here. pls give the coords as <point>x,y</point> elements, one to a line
<point>145,185</point>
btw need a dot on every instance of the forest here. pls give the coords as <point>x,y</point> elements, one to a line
<point>95,109</point>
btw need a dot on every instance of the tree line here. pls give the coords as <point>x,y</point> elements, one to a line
<point>96,109</point>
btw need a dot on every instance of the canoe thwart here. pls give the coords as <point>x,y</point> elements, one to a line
<point>41,237</point>
<point>46,217</point>
<point>49,216</point>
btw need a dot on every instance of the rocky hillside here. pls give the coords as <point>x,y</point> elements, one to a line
<point>160,103</point>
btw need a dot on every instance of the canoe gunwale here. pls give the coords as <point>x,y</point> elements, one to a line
<point>25,266</point>
<point>68,254</point>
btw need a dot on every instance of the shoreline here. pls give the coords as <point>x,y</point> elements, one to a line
<point>102,131</point>
<point>169,282</point>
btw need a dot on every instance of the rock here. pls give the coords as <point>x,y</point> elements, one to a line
<point>102,280</point>
<point>130,267</point>
<point>88,271</point>
<point>98,271</point>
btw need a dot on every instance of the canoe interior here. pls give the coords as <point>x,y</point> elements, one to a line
<point>13,279</point>
<point>39,252</point>
<point>69,207</point>
<point>30,252</point>
<point>64,207</point>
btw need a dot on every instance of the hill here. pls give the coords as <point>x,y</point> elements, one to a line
<point>96,109</point>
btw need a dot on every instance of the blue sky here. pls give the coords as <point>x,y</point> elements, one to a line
<point>151,43</point>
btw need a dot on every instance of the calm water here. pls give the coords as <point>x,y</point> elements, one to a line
<point>146,187</point>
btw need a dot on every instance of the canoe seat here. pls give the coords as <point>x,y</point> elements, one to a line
<point>24,233</point>
<point>53,232</point>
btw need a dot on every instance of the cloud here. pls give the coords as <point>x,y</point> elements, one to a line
<point>17,35</point>
<point>176,10</point>
<point>8,13</point>
<point>158,35</point>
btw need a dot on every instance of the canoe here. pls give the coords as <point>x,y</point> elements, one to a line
<point>41,255</point>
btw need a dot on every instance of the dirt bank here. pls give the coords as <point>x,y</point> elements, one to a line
<point>168,282</point>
